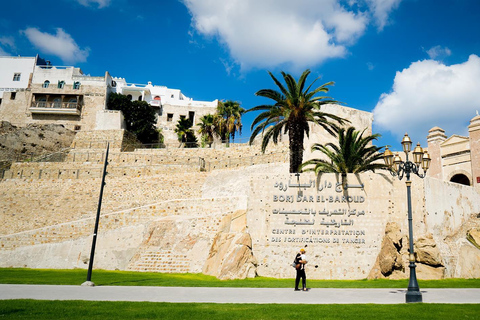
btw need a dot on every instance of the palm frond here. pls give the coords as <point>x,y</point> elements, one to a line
<point>293,109</point>
<point>352,154</point>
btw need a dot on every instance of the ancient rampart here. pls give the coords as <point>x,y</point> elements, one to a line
<point>166,210</point>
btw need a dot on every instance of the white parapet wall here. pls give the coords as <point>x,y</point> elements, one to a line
<point>110,120</point>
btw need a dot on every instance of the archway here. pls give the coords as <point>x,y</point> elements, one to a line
<point>461,179</point>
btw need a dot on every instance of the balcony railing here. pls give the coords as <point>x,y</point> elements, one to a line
<point>155,103</point>
<point>72,108</point>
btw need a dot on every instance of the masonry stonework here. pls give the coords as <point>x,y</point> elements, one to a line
<point>163,211</point>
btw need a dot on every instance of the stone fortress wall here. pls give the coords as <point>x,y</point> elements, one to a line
<point>49,205</point>
<point>362,231</point>
<point>162,211</point>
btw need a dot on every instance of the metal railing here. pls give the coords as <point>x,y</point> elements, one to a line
<point>98,144</point>
<point>155,103</point>
<point>95,172</point>
<point>58,156</point>
<point>244,161</point>
<point>95,144</point>
<point>96,156</point>
<point>8,159</point>
<point>187,145</point>
<point>56,105</point>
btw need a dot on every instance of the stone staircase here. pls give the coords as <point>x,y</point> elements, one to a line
<point>197,209</point>
<point>45,204</point>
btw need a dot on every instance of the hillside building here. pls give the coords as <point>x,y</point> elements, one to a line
<point>170,104</point>
<point>47,94</point>
<point>33,91</point>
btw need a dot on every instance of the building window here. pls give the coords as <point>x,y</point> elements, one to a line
<point>57,103</point>
<point>72,103</point>
<point>13,95</point>
<point>16,76</point>
<point>42,102</point>
<point>129,97</point>
<point>76,85</point>
<point>169,117</point>
<point>77,128</point>
<point>461,179</point>
<point>171,96</point>
<point>46,84</point>
<point>61,84</point>
<point>191,116</point>
<point>140,98</point>
<point>182,117</point>
<point>0,101</point>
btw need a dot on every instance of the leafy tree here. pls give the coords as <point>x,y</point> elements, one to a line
<point>117,101</point>
<point>294,108</point>
<point>229,120</point>
<point>353,154</point>
<point>140,118</point>
<point>185,133</point>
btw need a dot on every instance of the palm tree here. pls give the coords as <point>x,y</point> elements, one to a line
<point>185,133</point>
<point>353,154</point>
<point>294,108</point>
<point>207,128</point>
<point>230,119</point>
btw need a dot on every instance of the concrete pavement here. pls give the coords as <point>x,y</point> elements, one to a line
<point>233,295</point>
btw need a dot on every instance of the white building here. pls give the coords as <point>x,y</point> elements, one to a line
<point>15,75</point>
<point>171,105</point>
<point>33,91</point>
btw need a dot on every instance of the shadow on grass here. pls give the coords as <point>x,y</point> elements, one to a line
<point>127,282</point>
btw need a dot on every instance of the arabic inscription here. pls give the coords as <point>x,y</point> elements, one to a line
<point>329,210</point>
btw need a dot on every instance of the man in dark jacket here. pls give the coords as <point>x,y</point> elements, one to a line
<point>300,261</point>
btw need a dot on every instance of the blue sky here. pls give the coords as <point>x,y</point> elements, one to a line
<point>414,63</point>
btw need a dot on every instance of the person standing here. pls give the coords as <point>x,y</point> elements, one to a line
<point>300,261</point>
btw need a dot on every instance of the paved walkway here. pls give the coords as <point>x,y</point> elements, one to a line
<point>232,295</point>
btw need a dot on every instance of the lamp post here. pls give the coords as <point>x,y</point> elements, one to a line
<point>97,219</point>
<point>405,168</point>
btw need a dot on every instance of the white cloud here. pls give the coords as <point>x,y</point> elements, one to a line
<point>3,52</point>
<point>99,3</point>
<point>297,34</point>
<point>381,10</point>
<point>438,52</point>
<point>6,42</point>
<point>430,93</point>
<point>61,45</point>
<point>228,66</point>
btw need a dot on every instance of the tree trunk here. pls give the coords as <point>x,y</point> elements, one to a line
<point>295,136</point>
<point>344,181</point>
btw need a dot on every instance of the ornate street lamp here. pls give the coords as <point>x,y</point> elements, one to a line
<point>400,168</point>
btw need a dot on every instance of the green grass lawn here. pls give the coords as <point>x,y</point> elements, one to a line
<point>127,278</point>
<point>32,309</point>
<point>40,309</point>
